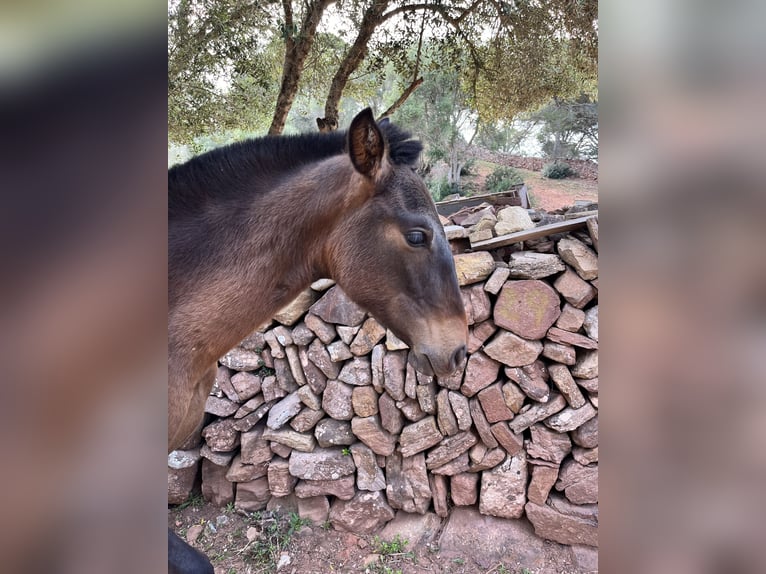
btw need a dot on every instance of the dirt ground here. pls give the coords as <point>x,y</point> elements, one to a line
<point>266,542</point>
<point>548,194</point>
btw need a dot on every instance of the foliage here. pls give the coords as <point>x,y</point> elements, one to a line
<point>468,167</point>
<point>441,188</point>
<point>557,170</point>
<point>194,500</point>
<point>502,178</point>
<point>569,128</point>
<point>392,553</point>
<point>276,533</point>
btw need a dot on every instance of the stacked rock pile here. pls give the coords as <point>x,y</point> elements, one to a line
<point>320,412</point>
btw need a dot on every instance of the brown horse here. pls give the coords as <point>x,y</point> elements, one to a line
<point>251,225</point>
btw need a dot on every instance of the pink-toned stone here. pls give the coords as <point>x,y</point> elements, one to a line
<point>241,472</point>
<point>491,459</point>
<point>512,350</point>
<point>271,388</point>
<point>513,397</point>
<point>221,436</point>
<point>366,512</point>
<point>318,355</point>
<point>219,458</point>
<point>252,496</point>
<point>478,334</point>
<point>367,337</point>
<point>369,475</point>
<point>562,378</point>
<point>480,372</point>
<point>410,382</point>
<point>460,407</point>
<point>293,359</point>
<point>316,509</point>
<point>315,378</point>
<point>449,449</point>
<point>223,382</point>
<point>493,405</point>
<point>419,436</point>
<point>220,407</point>
<point>183,467</point>
<point>391,417</point>
<point>477,305</point>
<point>410,409</point>
<point>503,489</point>
<point>255,449</point>
<point>347,334</point>
<point>302,335</point>
<point>407,483</point>
<point>438,484</point>
<point>277,351</point>
<point>571,318</point>
<point>576,291</point>
<point>304,442</point>
<point>585,456</point>
<point>527,308</point>
<point>339,351</point>
<point>559,353</point>
<point>482,426</point>
<point>586,366</point>
<point>309,398</point>
<point>376,367</point>
<point>444,415</point>
<point>280,450</point>
<point>547,444</point>
<point>530,380</point>
<point>364,401</point>
<point>579,256</point>
<point>543,479</point>
<point>331,432</point>
<point>342,488</point>
<point>511,442</point>
<point>336,400</point>
<point>394,369</point>
<point>370,432</point>
<point>552,524</point>
<point>242,360</point>
<point>321,464</point>
<point>586,435</point>
<point>464,489</point>
<point>455,466</point>
<point>537,412</point>
<point>569,419</point>
<point>284,410</point>
<point>497,280</point>
<point>215,488</point>
<point>336,307</point>
<point>473,267</point>
<point>306,419</point>
<point>453,380</point>
<point>281,482</point>
<point>427,397</point>
<point>567,338</point>
<point>285,377</point>
<point>356,372</point>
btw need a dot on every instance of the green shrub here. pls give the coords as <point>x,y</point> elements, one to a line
<point>503,179</point>
<point>468,168</point>
<point>440,188</point>
<point>557,170</point>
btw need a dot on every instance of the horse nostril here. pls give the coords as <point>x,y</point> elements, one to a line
<point>457,357</point>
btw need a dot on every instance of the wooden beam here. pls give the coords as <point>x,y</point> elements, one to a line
<point>527,234</point>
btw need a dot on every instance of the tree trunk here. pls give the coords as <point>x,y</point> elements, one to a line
<point>403,98</point>
<point>296,51</point>
<point>373,16</point>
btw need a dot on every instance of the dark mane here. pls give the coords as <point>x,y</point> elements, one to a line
<point>252,164</point>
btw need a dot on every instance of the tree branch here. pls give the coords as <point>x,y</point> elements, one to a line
<point>402,98</point>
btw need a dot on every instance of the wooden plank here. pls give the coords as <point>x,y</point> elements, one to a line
<point>509,197</point>
<point>577,214</point>
<point>527,234</point>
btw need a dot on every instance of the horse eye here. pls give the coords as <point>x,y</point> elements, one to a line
<point>416,238</point>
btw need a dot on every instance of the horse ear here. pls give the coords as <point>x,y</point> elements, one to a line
<point>365,144</point>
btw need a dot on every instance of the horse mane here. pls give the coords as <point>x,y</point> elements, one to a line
<point>229,170</point>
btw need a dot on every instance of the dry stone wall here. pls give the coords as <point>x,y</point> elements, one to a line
<point>321,413</point>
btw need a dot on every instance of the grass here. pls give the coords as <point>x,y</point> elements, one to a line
<point>392,554</point>
<point>195,501</point>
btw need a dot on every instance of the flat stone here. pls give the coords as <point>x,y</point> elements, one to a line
<point>280,450</point>
<point>493,405</point>
<point>324,331</point>
<point>512,219</point>
<point>284,374</point>
<point>585,456</point>
<point>513,397</point>
<point>303,442</point>
<point>480,372</point>
<point>561,336</point>
<point>276,348</point>
<point>347,334</point>
<point>309,398</point>
<point>419,436</point>
<point>548,445</point>
<point>410,381</point>
<point>252,496</point>
<point>586,435</point>
<point>581,257</point>
<point>511,442</point>
<point>365,513</point>
<point>576,291</point>
<point>391,417</point>
<point>223,382</point>
<point>221,436</point>
<point>219,458</point>
<point>543,479</point>
<point>302,335</point>
<point>331,432</point>
<point>410,409</point>
<point>527,308</point>
<point>315,378</point>
<point>476,302</point>
<point>241,472</point>
<point>473,267</point>
<point>322,284</point>
<point>562,378</point>
<point>455,232</point>
<point>444,415</point>
<point>394,371</point>
<point>317,354</point>
<point>181,479</point>
<point>417,529</point>
<point>293,311</point>
<point>248,421</point>
<point>284,410</point>
<point>564,354</point>
<point>586,366</point>
<point>565,529</point>
<point>220,407</point>
<point>481,423</point>
<point>356,372</point>
<point>342,488</point>
<point>407,483</point>
<point>455,466</point>
<point>242,360</point>
<point>464,489</point>
<point>338,351</point>
<point>306,419</point>
<point>364,401</point>
<point>453,380</point>
<point>496,280</point>
<point>321,464</point>
<point>449,449</point>
<point>368,336</point>
<point>215,488</point>
<point>530,380</point>
<point>336,400</point>
<point>394,343</point>
<point>255,449</point>
<point>532,265</point>
<point>336,307</point>
<point>427,397</point>
<point>370,432</point>
<point>537,413</point>
<point>460,407</point>
<point>253,342</point>
<point>590,385</point>
<point>491,459</point>
<point>315,508</point>
<point>590,324</point>
<point>281,482</point>
<point>569,419</point>
<point>271,388</point>
<point>478,334</point>
<point>438,484</point>
<point>512,350</point>
<point>504,488</point>
<point>571,318</point>
<point>293,359</point>
<point>376,367</point>
<point>369,475</point>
